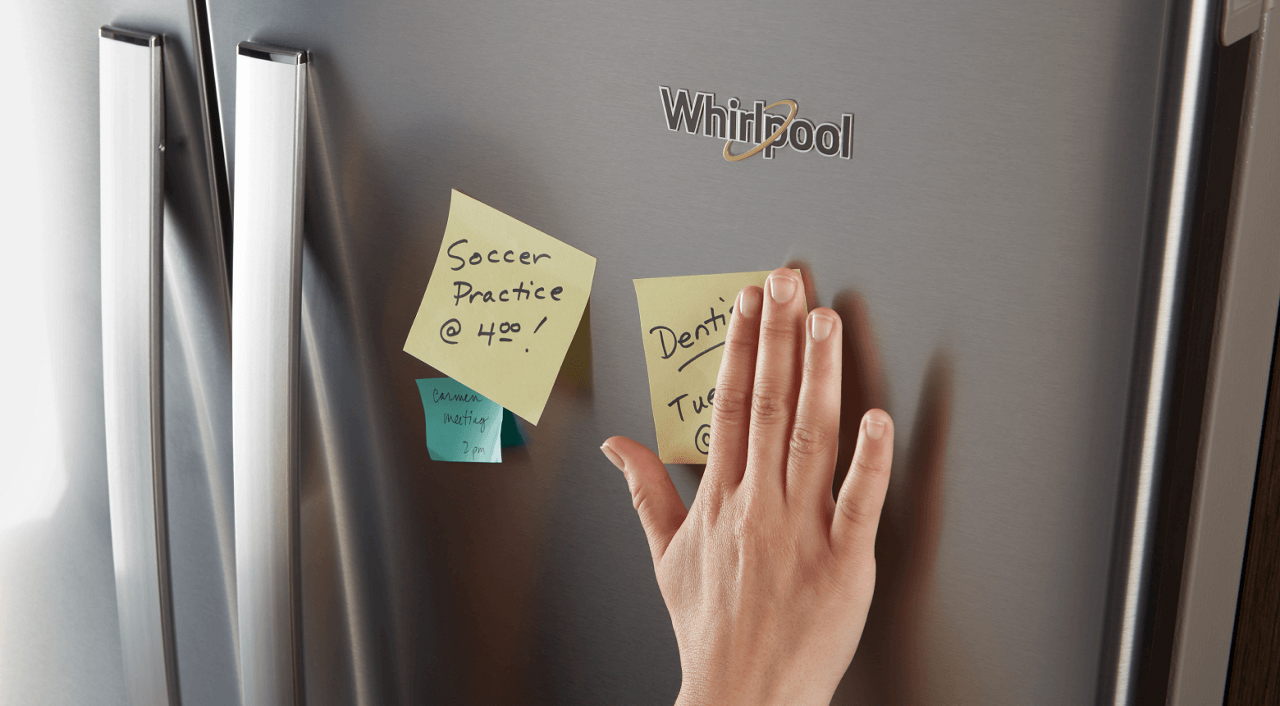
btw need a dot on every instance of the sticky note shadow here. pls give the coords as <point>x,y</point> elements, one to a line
<point>692,469</point>
<point>575,374</point>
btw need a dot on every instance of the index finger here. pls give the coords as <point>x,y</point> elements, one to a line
<point>731,412</point>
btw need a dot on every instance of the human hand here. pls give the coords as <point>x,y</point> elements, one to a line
<point>767,577</point>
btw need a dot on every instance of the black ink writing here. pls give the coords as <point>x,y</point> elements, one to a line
<point>475,450</point>
<point>702,439</point>
<point>672,342</point>
<point>465,419</point>
<point>697,356</point>
<point>438,396</point>
<point>450,330</point>
<point>510,257</point>
<point>507,327</point>
<point>465,293</point>
<point>698,403</point>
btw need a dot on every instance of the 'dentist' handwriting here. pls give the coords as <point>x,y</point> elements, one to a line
<point>684,321</point>
<point>706,337</point>
<point>501,307</point>
<point>671,343</point>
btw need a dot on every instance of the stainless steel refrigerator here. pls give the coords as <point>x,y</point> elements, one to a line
<point>1054,217</point>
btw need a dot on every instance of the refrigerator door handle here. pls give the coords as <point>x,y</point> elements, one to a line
<point>131,124</point>
<point>271,86</point>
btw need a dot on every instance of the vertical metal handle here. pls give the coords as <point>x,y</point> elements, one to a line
<point>1189,36</point>
<point>131,124</point>
<point>271,89</point>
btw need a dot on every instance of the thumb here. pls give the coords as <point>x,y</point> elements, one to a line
<point>659,505</point>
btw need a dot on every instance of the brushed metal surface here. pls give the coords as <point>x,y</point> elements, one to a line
<point>131,103</point>
<point>271,122</point>
<point>992,217</point>
<point>60,640</point>
<point>1243,344</point>
<point>57,585</point>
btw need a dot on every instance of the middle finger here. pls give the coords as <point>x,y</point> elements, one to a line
<point>776,385</point>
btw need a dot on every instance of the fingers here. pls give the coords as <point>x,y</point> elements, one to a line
<point>654,496</point>
<point>776,381</point>
<point>815,432</point>
<point>731,413</point>
<point>862,496</point>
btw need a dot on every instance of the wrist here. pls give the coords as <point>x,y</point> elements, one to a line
<point>701,692</point>
<point>744,691</point>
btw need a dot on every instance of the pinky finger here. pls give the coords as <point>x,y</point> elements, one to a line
<point>862,495</point>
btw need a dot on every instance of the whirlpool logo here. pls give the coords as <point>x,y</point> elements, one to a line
<point>765,132</point>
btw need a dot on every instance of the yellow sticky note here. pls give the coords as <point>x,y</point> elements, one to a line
<point>502,305</point>
<point>684,321</point>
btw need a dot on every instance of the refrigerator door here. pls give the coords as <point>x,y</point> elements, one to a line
<point>990,215</point>
<point>68,633</point>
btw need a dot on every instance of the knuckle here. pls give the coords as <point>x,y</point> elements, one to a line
<point>810,439</point>
<point>746,506</point>
<point>857,506</point>
<point>643,503</point>
<point>868,468</point>
<point>817,367</point>
<point>740,344</point>
<point>750,530</point>
<point>774,329</point>
<point>858,513</point>
<point>730,406</point>
<point>640,500</point>
<point>769,405</point>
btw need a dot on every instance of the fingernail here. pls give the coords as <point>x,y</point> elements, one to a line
<point>875,429</point>
<point>615,459</point>
<point>820,326</point>
<point>782,288</point>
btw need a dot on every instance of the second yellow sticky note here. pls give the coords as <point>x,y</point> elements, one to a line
<point>684,321</point>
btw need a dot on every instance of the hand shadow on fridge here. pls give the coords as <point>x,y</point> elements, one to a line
<point>893,658</point>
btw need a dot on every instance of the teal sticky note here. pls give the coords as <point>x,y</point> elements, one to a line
<point>462,424</point>
<point>512,434</point>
